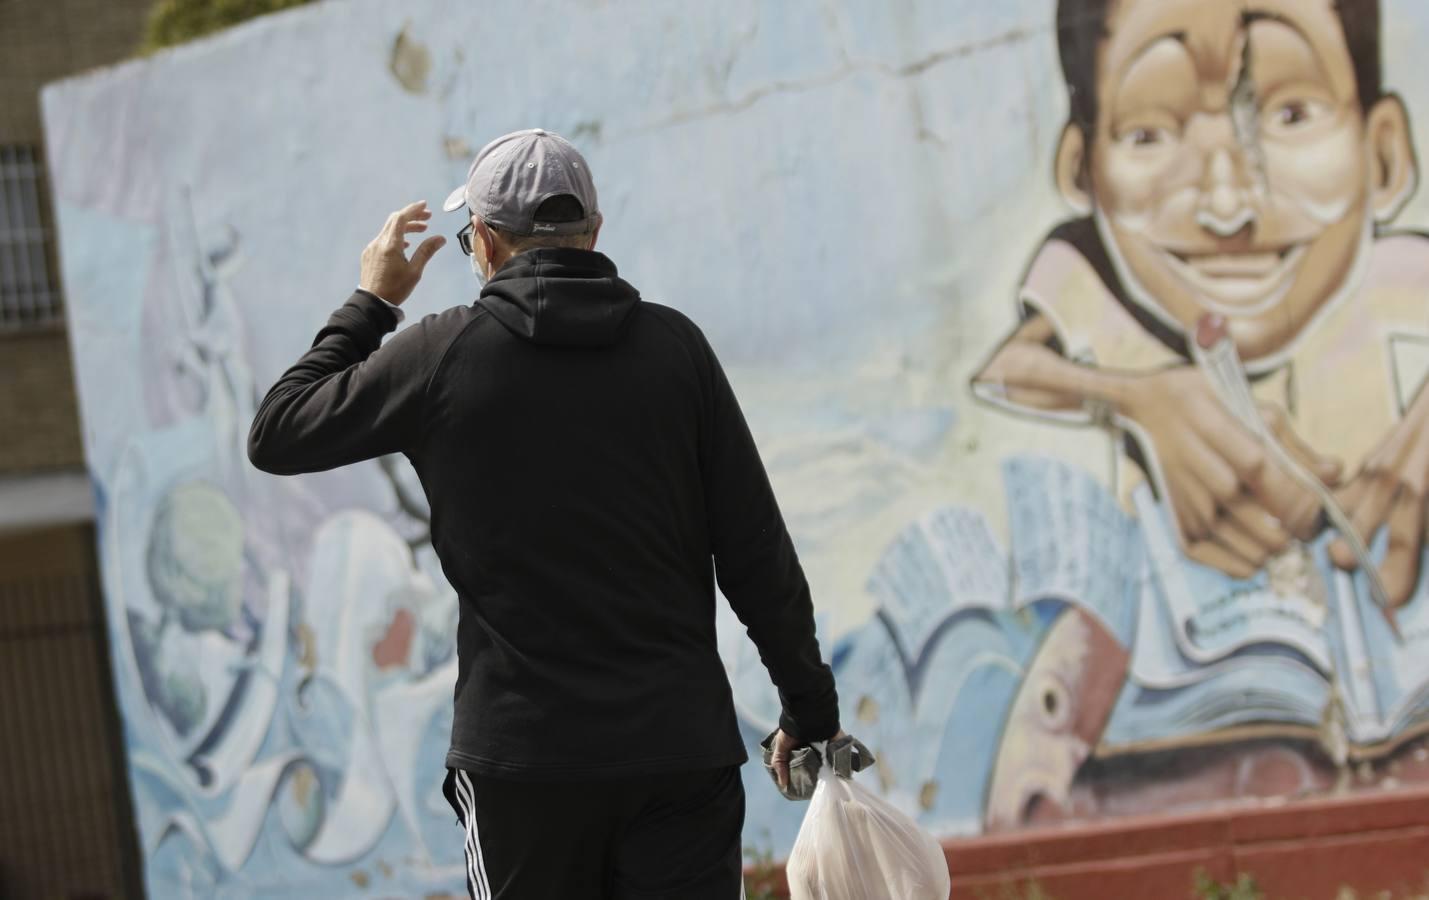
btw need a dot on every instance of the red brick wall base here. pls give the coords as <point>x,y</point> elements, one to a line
<point>1308,849</point>
<point>1304,850</point>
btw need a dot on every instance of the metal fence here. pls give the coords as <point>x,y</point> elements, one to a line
<point>29,291</point>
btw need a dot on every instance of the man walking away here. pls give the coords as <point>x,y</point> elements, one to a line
<point>590,474</point>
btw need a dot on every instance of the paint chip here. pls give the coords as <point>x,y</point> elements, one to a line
<point>456,148</point>
<point>411,62</point>
<point>928,795</point>
<point>867,709</point>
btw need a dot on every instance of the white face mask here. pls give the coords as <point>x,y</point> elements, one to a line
<point>477,270</point>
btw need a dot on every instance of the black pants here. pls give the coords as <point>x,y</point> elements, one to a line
<point>643,838</point>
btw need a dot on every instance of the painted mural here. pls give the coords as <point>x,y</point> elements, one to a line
<point>1232,307</point>
<point>1083,341</point>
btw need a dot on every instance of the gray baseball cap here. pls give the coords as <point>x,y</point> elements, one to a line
<point>516,173</point>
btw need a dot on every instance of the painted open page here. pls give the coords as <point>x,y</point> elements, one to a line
<point>1299,645</point>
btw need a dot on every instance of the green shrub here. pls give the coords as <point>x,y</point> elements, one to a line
<point>174,22</point>
<point>1031,889</point>
<point>1244,888</point>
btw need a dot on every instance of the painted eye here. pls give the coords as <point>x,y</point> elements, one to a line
<point>1145,136</point>
<point>1296,114</point>
<point>1293,113</point>
<point>1054,703</point>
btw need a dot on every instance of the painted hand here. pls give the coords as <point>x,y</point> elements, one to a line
<point>1390,491</point>
<point>386,270</point>
<point>1235,506</point>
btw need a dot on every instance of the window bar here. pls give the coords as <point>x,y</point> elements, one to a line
<point>19,280</point>
<point>8,286</point>
<point>28,293</point>
<point>21,237</point>
<point>42,294</point>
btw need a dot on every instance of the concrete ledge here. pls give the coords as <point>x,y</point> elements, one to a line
<point>45,499</point>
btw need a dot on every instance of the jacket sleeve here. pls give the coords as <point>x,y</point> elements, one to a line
<point>348,398</point>
<point>757,567</point>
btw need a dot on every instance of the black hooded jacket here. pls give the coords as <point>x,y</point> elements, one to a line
<point>589,474</point>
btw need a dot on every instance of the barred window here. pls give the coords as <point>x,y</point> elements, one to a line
<point>29,293</point>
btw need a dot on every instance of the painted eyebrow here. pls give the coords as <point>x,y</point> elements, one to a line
<point>1247,19</point>
<point>1179,37</point>
<point>1251,16</point>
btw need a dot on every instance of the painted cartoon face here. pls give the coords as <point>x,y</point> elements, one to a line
<point>1230,167</point>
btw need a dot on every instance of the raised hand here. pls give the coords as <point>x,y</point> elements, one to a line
<point>386,270</point>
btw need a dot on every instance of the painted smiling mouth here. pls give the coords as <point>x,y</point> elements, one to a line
<point>1246,282</point>
<point>1235,265</point>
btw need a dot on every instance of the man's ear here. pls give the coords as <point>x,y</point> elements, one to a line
<point>488,240</point>
<point>1393,169</point>
<point>1070,169</point>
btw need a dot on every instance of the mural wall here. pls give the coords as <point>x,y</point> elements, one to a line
<point>1083,341</point>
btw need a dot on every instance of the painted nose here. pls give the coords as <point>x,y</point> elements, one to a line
<point>1225,208</point>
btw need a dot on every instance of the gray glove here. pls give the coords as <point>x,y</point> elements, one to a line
<point>845,756</point>
<point>848,755</point>
<point>803,769</point>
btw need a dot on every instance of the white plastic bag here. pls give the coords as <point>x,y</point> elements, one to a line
<point>854,845</point>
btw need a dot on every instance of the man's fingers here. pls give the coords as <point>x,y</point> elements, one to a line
<point>426,250</point>
<point>1212,470</point>
<point>389,227</point>
<point>402,226</point>
<point>1326,469</point>
<point>1283,495</point>
<point>1296,506</point>
<point>413,209</point>
<point>1210,553</point>
<point>1195,511</point>
<point>1366,518</point>
<point>1351,494</point>
<point>1239,541</point>
<point>1261,526</point>
<point>1234,443</point>
<point>397,223</point>
<point>1399,573</point>
<point>1349,497</point>
<point>1278,492</point>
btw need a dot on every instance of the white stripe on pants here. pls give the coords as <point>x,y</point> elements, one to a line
<point>475,864</point>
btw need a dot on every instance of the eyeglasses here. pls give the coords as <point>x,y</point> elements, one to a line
<point>463,238</point>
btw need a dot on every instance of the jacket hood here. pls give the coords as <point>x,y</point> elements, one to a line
<point>560,296</point>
